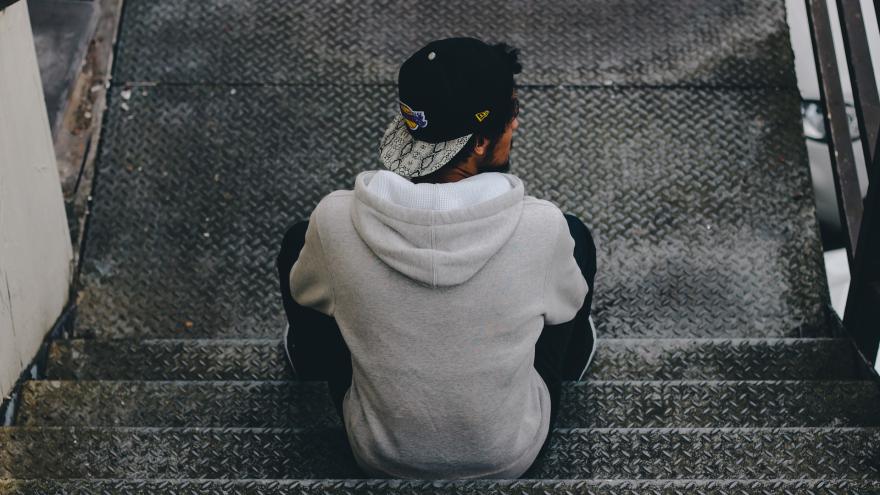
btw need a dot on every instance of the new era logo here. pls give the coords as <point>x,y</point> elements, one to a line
<point>481,116</point>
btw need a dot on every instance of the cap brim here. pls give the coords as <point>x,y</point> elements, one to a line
<point>405,156</point>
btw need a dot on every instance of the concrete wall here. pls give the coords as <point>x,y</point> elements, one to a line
<point>35,249</point>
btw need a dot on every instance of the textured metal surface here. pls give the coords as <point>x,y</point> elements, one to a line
<point>584,405</point>
<point>593,42</point>
<point>168,360</point>
<point>833,453</point>
<point>176,404</point>
<point>843,160</point>
<point>504,487</point>
<point>699,200</point>
<point>616,359</point>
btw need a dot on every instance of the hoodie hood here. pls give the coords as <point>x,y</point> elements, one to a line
<point>440,235</point>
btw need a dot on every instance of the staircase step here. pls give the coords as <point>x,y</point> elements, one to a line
<point>470,487</point>
<point>616,359</point>
<point>714,42</point>
<point>596,404</point>
<point>722,453</point>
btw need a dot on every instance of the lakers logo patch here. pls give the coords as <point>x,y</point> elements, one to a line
<point>414,119</point>
<point>481,116</point>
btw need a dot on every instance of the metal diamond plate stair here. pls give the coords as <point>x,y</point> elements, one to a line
<point>596,404</point>
<point>616,359</point>
<point>671,127</point>
<point>656,42</point>
<point>645,453</point>
<point>371,487</point>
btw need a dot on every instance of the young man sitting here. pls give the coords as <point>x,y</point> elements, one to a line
<point>443,305</point>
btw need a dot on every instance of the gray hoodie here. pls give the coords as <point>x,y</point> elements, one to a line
<point>440,292</point>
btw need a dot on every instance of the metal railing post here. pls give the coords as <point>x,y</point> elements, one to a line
<point>843,166</point>
<point>861,74</point>
<point>862,315</point>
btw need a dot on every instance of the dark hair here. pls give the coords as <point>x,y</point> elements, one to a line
<point>496,124</point>
<point>494,128</point>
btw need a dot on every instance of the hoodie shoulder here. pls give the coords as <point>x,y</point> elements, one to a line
<point>542,215</point>
<point>540,207</point>
<point>335,203</point>
<point>342,195</point>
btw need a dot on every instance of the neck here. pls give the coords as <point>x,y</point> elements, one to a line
<point>467,169</point>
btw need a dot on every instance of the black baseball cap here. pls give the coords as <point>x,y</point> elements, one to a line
<point>448,90</point>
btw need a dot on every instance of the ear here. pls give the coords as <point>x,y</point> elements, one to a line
<point>482,146</point>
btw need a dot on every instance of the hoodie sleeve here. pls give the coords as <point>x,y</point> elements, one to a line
<point>564,285</point>
<point>311,284</point>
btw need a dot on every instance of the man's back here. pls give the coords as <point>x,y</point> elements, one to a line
<point>441,309</point>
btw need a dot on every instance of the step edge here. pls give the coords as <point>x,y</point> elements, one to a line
<point>571,383</point>
<point>260,430</point>
<point>613,341</point>
<point>399,481</point>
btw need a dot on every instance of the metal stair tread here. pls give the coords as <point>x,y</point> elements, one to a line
<point>468,487</point>
<point>600,453</point>
<point>594,403</point>
<point>657,42</point>
<point>519,487</point>
<point>653,359</point>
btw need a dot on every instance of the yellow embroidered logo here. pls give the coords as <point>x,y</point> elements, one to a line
<point>481,116</point>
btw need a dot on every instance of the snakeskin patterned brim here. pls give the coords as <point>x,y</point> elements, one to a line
<point>409,157</point>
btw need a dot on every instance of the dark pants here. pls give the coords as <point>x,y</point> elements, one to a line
<point>314,343</point>
<point>319,352</point>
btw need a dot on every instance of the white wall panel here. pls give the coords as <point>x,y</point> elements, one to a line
<point>35,249</point>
